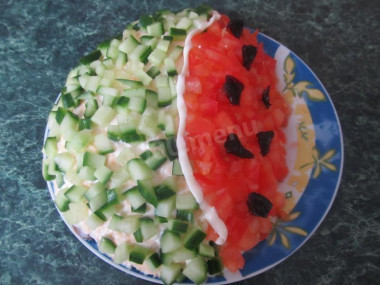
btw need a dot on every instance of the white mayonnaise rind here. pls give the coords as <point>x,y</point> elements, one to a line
<point>209,212</point>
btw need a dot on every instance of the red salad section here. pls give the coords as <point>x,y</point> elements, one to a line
<point>227,179</point>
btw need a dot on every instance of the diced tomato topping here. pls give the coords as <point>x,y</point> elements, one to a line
<point>226,179</point>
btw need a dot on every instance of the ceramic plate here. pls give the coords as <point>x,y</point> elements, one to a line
<point>314,159</point>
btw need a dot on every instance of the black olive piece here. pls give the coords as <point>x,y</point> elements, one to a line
<point>249,53</point>
<point>234,146</point>
<point>235,27</point>
<point>265,139</point>
<point>258,205</point>
<point>265,97</point>
<point>233,88</point>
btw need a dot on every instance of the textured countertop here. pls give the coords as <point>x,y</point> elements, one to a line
<point>41,40</point>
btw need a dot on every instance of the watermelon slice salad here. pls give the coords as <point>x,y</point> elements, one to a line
<point>166,146</point>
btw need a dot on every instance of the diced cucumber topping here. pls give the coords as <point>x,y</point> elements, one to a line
<point>146,154</point>
<point>153,261</point>
<point>148,228</point>
<point>93,160</point>
<point>119,177</point>
<point>129,45</point>
<point>130,83</point>
<point>172,85</point>
<point>164,96</point>
<point>81,140</point>
<point>139,170</point>
<point>185,215</point>
<point>109,100</point>
<point>128,224</point>
<point>155,161</point>
<point>186,202</point>
<point>85,124</point>
<point>193,238</point>
<point>176,53</point>
<point>177,34</point>
<point>143,77</point>
<point>169,273</point>
<point>184,23</point>
<point>106,245</point>
<point>196,270</point>
<point>69,125</point>
<point>94,221</point>
<point>103,144</point>
<point>153,71</point>
<point>67,100</point>
<point>121,60</point>
<point>183,254</point>
<point>156,29</point>
<point>170,241</point>
<point>177,170</point>
<point>140,53</point>
<point>92,83</point>
<point>170,66</point>
<point>62,201</point>
<point>161,119</point>
<point>77,212</point>
<point>65,161</point>
<point>135,92</point>
<point>46,164</point>
<point>134,197</point>
<point>103,174</point>
<point>164,192</point>
<point>103,116</point>
<point>146,190</point>
<point>140,210</point>
<point>86,173</point>
<point>170,127</point>
<point>145,39</point>
<point>215,266</point>
<point>206,250</point>
<point>90,57</point>
<point>138,235</point>
<point>167,146</point>
<point>177,226</point>
<point>137,104</point>
<point>145,20</point>
<point>91,107</point>
<point>122,252</point>
<point>75,193</point>
<point>50,147</point>
<point>98,201</point>
<point>157,57</point>
<point>165,207</point>
<point>138,254</point>
<point>163,45</point>
<point>94,190</point>
<point>102,90</point>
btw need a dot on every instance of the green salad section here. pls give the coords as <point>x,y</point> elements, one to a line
<point>111,142</point>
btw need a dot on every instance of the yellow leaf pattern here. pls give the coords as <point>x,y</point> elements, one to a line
<point>289,66</point>
<point>302,87</point>
<point>279,229</point>
<point>272,239</point>
<point>328,155</point>
<point>293,216</point>
<point>285,241</point>
<point>296,230</point>
<point>318,162</point>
